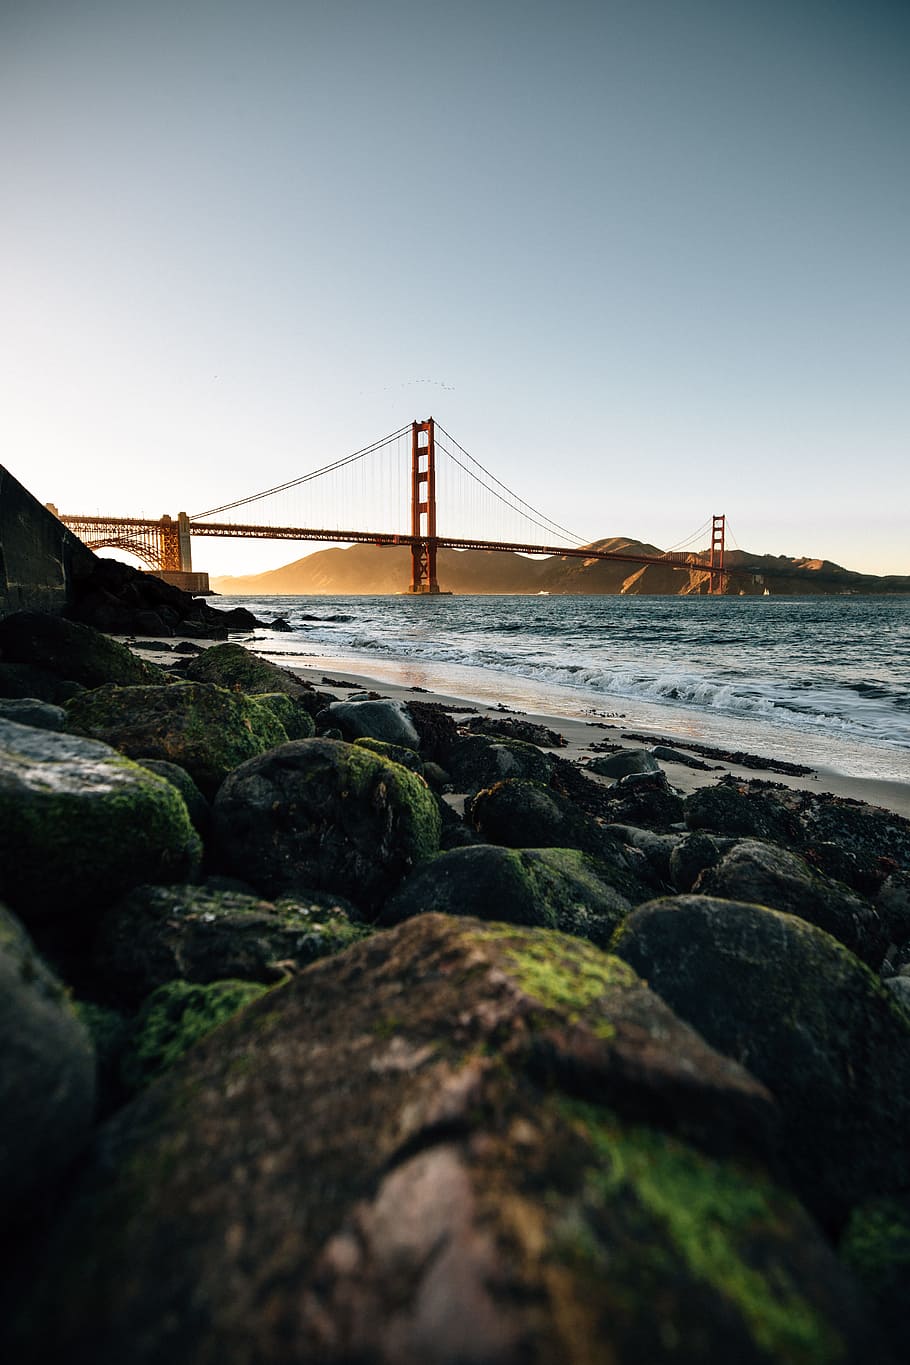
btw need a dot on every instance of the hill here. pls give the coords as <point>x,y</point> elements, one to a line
<point>372,569</point>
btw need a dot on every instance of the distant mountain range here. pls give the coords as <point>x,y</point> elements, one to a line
<point>386,569</point>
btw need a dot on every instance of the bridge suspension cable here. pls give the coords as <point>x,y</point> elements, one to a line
<point>304,478</point>
<point>702,530</point>
<point>518,505</point>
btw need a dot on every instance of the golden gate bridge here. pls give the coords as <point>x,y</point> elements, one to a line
<point>406,478</point>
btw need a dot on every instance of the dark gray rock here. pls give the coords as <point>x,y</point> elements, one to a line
<point>200,810</point>
<point>557,888</point>
<point>692,855</point>
<point>322,814</point>
<point>477,761</point>
<point>201,934</point>
<point>383,719</point>
<point>30,711</point>
<point>624,762</point>
<point>765,875</point>
<point>47,1081</point>
<point>71,651</point>
<point>806,1017</point>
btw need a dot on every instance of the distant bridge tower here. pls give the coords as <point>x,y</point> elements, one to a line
<point>718,580</point>
<point>423,507</point>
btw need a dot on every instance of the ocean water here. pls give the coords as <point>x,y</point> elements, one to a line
<point>818,680</point>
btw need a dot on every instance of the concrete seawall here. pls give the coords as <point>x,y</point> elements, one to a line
<point>39,557</point>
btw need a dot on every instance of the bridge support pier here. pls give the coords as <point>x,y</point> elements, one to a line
<point>718,582</point>
<point>423,508</point>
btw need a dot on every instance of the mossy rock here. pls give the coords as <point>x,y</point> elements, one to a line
<point>398,1157</point>
<point>762,874</point>
<point>240,670</point>
<point>109,1031</point>
<point>47,1081</point>
<point>521,814</point>
<point>196,804</point>
<point>200,727</point>
<point>297,721</point>
<point>175,1017</point>
<point>71,651</point>
<point>394,753</point>
<point>325,815</point>
<point>80,825</point>
<point>201,934</point>
<point>806,1017</point>
<point>557,888</point>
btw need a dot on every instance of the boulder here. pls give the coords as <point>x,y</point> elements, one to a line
<point>200,727</point>
<point>893,906</point>
<point>80,825</point>
<point>394,753</point>
<point>693,854</point>
<point>766,875</point>
<point>200,934</point>
<point>854,842</point>
<point>380,719</point>
<point>558,888</point>
<point>323,814</point>
<point>71,651</point>
<point>656,849</point>
<point>646,800</point>
<point>807,1018</point>
<point>489,1155</point>
<point>624,762</point>
<point>30,711</point>
<point>477,761</point>
<point>199,809</point>
<point>240,670</point>
<point>47,1081</point>
<point>436,728</point>
<point>876,1248</point>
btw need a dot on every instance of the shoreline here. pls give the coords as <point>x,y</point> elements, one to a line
<point>581,733</point>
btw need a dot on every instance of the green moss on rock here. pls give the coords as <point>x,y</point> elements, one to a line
<point>173,1018</point>
<point>297,722</point>
<point>202,728</point>
<point>395,753</point>
<point>239,669</point>
<point>712,1214</point>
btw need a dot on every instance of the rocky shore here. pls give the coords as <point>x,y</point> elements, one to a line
<point>364,1028</point>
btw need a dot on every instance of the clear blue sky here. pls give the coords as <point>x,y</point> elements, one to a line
<point>654,254</point>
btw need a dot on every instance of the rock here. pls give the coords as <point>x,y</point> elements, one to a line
<point>296,720</point>
<point>80,825</point>
<point>669,755</point>
<point>857,843</point>
<point>239,669</point>
<point>765,875</point>
<point>21,680</point>
<point>199,809</point>
<point>511,727</point>
<point>394,753</point>
<point>199,934</point>
<point>200,727</point>
<point>436,728</point>
<point>645,799</point>
<point>411,1174</point>
<point>71,651</point>
<point>558,888</point>
<point>280,624</point>
<point>623,762</point>
<point>522,814</point>
<point>382,719</point>
<point>893,906</point>
<point>692,855</point>
<point>324,814</point>
<point>47,1081</point>
<point>477,761</point>
<point>109,1031</point>
<point>899,986</point>
<point>807,1018</point>
<point>656,849</point>
<point>173,1018</point>
<point>30,711</point>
